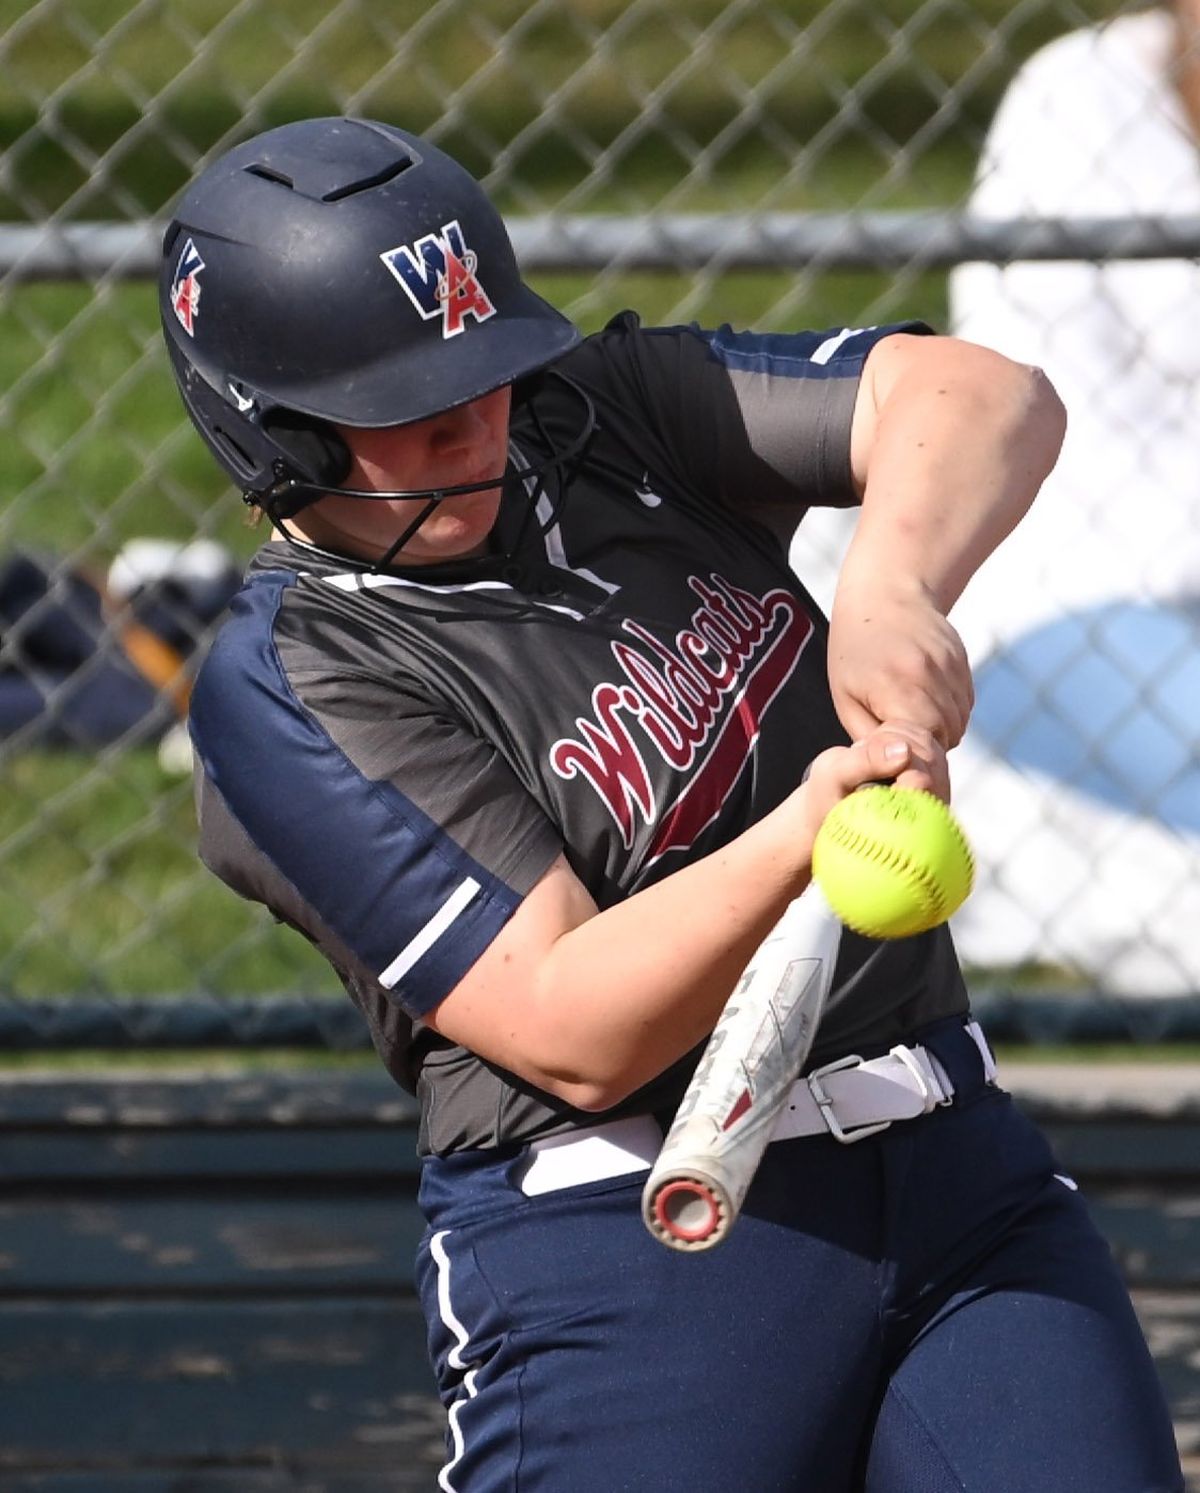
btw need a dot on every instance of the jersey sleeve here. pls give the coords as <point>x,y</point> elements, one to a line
<point>755,420</point>
<point>396,838</point>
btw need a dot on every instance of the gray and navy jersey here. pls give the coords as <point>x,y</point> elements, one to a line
<point>390,762</point>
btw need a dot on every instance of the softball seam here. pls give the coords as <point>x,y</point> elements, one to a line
<point>888,856</point>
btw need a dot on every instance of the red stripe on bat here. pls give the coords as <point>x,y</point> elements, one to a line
<point>745,1100</point>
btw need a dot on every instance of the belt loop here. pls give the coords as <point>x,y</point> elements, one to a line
<point>975,1032</point>
<point>958,1047</point>
<point>939,1075</point>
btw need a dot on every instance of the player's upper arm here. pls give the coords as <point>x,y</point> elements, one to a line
<point>980,379</point>
<point>497,1010</point>
<point>361,791</point>
<point>754,421</point>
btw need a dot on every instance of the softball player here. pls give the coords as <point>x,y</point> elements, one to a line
<point>510,719</point>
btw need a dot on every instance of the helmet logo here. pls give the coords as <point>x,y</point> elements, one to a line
<point>185,288</point>
<point>439,276</point>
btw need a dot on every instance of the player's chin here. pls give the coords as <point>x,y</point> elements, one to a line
<point>460,526</point>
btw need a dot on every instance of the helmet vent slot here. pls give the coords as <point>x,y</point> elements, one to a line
<point>268,175</point>
<point>236,454</point>
<point>323,190</point>
<point>376,179</point>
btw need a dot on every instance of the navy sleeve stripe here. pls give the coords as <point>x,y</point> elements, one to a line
<point>380,873</point>
<point>837,353</point>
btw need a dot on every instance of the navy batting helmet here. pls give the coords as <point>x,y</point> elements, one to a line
<point>338,271</point>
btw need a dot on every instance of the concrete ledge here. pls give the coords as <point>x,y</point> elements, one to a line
<point>1133,1090</point>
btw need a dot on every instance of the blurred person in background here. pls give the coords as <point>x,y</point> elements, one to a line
<point>91,655</point>
<point>1079,780</point>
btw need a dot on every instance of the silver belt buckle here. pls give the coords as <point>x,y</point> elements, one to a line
<point>825,1103</point>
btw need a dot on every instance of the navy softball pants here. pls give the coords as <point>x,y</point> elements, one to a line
<point>929,1310</point>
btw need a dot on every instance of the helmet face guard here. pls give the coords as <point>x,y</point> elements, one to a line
<point>291,493</point>
<point>339,272</point>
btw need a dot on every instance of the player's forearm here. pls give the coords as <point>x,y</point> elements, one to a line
<point>960,441</point>
<point>626,993</point>
<point>590,1005</point>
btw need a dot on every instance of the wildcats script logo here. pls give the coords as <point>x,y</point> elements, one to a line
<point>439,276</point>
<point>697,702</point>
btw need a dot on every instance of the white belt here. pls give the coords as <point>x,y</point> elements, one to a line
<point>849,1099</point>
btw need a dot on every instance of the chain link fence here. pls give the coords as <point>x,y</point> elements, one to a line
<point>804,162</point>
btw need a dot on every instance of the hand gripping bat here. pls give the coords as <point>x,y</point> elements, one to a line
<point>755,1054</point>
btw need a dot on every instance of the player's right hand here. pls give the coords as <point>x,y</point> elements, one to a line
<point>895,657</point>
<point>895,752</point>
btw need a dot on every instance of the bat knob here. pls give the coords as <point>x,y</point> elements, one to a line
<point>688,1214</point>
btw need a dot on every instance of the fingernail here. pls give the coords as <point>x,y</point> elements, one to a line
<point>894,751</point>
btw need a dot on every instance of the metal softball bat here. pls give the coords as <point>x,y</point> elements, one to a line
<point>755,1053</point>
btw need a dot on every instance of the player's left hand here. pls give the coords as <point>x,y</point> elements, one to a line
<point>894,656</point>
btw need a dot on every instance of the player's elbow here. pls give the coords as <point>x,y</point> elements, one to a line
<point>1040,415</point>
<point>591,1087</point>
<point>594,1096</point>
<point>1016,407</point>
<point>596,1061</point>
<point>536,1044</point>
<point>994,398</point>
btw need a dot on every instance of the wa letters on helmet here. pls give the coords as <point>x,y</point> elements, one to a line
<point>339,271</point>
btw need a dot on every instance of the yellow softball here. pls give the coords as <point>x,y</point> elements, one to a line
<point>892,861</point>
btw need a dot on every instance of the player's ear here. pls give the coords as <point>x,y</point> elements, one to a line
<point>313,448</point>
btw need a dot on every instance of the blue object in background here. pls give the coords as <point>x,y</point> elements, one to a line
<point>1106,701</point>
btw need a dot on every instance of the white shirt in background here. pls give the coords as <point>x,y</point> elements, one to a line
<point>1079,781</point>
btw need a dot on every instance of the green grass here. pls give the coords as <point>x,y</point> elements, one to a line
<point>650,85</point>
<point>1049,1053</point>
<point>96,449</point>
<point>101,892</point>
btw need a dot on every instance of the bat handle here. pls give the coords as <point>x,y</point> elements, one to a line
<point>729,1111</point>
<point>687,1212</point>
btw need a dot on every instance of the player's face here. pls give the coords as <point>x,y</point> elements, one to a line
<point>468,444</point>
